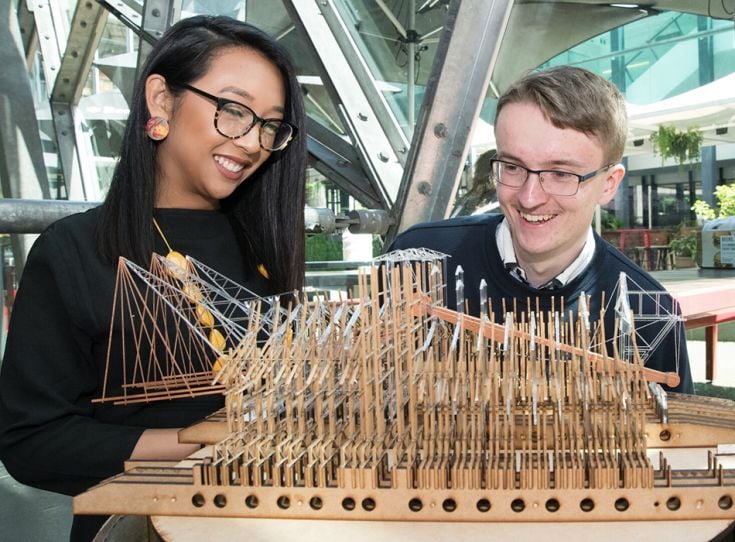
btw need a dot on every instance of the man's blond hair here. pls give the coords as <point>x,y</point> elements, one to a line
<point>578,99</point>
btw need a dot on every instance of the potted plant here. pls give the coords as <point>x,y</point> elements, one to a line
<point>683,245</point>
<point>682,146</point>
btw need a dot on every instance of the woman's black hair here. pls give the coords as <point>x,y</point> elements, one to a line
<point>268,207</point>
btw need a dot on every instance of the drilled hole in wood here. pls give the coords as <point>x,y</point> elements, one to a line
<point>449,505</point>
<point>415,505</point>
<point>552,505</point>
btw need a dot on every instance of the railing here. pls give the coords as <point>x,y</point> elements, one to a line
<point>648,248</point>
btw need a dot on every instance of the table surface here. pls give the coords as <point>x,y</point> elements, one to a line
<point>186,529</point>
<point>700,290</point>
<point>695,276</point>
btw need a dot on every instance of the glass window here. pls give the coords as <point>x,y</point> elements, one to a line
<point>398,46</point>
<point>103,109</point>
<point>659,56</point>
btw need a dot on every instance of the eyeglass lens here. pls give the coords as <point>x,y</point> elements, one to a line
<point>234,120</point>
<point>557,183</point>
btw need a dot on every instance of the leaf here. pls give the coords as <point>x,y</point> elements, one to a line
<point>684,147</point>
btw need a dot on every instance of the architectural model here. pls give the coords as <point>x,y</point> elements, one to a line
<point>387,405</point>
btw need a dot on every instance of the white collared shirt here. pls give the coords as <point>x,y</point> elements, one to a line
<point>508,255</point>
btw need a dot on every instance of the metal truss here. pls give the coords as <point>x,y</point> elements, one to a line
<point>85,31</point>
<point>379,141</point>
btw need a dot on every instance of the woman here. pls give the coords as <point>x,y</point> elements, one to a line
<point>211,166</point>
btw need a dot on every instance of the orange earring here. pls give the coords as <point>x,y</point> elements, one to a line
<point>157,128</point>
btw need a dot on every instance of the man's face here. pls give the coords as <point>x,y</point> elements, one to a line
<point>549,230</point>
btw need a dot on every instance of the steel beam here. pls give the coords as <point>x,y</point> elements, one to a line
<point>27,26</point>
<point>369,85</point>
<point>380,142</point>
<point>47,41</point>
<point>85,31</point>
<point>158,16</point>
<point>128,13</point>
<point>337,160</point>
<point>34,216</point>
<point>455,92</point>
<point>22,170</point>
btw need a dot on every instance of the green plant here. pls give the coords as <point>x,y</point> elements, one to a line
<point>725,194</point>
<point>682,146</point>
<point>703,210</point>
<point>377,246</point>
<point>609,221</point>
<point>684,243</point>
<point>322,247</point>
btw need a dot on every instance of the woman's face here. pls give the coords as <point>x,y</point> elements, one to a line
<point>198,166</point>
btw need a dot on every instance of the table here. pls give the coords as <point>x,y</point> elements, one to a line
<point>652,257</point>
<point>707,299</point>
<point>185,529</point>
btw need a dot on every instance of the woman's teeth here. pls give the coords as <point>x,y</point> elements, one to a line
<point>229,165</point>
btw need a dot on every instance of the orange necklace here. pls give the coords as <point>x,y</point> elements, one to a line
<point>179,269</point>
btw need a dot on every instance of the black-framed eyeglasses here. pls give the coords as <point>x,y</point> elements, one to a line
<point>234,120</point>
<point>554,182</point>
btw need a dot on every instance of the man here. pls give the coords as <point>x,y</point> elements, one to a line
<point>560,135</point>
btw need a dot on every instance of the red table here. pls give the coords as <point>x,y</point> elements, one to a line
<point>707,299</point>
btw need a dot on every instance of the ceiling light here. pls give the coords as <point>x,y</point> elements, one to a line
<point>627,6</point>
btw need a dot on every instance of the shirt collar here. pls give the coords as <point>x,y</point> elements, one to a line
<point>507,253</point>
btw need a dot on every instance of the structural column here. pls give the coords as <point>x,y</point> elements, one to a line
<point>622,198</point>
<point>22,170</point>
<point>709,174</point>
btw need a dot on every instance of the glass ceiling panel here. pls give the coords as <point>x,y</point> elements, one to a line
<point>272,17</point>
<point>232,8</point>
<point>649,59</point>
<point>67,7</point>
<point>539,31</point>
<point>103,108</point>
<point>660,56</point>
<point>396,38</point>
<point>45,127</point>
